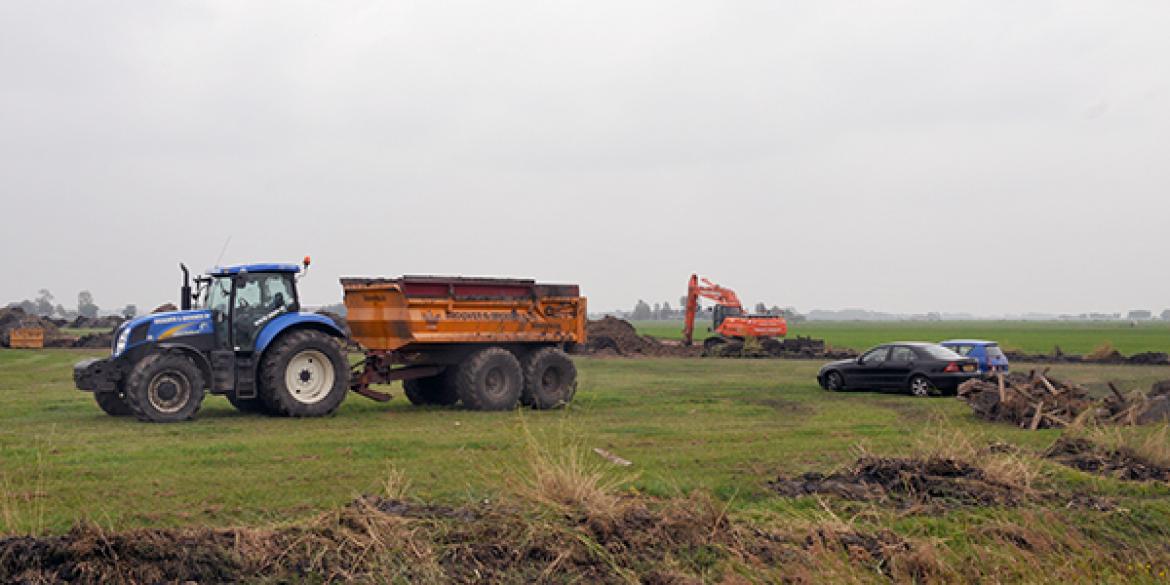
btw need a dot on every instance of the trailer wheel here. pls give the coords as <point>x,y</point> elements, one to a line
<point>439,390</point>
<point>303,374</point>
<point>113,403</point>
<point>165,387</point>
<point>491,379</point>
<point>550,379</point>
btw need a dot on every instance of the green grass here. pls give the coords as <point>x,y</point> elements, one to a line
<point>721,425</point>
<point>1031,337</point>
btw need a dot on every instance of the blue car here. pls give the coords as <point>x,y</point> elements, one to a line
<point>991,358</point>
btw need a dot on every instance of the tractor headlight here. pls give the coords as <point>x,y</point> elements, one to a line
<point>123,339</point>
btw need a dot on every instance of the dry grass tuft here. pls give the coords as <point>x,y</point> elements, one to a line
<point>1151,446</point>
<point>1001,464</point>
<point>565,476</point>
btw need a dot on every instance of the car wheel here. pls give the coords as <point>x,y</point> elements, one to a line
<point>834,382</point>
<point>922,386</point>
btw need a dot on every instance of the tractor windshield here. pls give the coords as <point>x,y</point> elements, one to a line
<point>219,294</point>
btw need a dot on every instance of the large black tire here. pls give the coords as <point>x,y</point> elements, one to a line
<point>491,379</point>
<point>304,374</point>
<point>165,387</point>
<point>113,403</point>
<point>550,379</point>
<point>438,390</point>
<point>250,405</point>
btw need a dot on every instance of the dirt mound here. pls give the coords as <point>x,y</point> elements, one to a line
<point>1121,462</point>
<point>378,539</point>
<point>94,340</point>
<point>15,318</point>
<point>1102,355</point>
<point>109,322</point>
<point>614,336</point>
<point>1034,401</point>
<point>905,482</point>
<point>165,308</point>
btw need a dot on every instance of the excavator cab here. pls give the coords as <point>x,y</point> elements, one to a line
<point>721,312</point>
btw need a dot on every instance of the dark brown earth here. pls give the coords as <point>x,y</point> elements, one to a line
<point>937,483</point>
<point>613,336</point>
<point>379,540</point>
<point>1121,463</point>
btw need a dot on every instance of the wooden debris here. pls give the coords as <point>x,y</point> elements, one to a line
<point>612,458</point>
<point>1035,401</point>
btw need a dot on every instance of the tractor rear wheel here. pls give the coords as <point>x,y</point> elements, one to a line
<point>491,379</point>
<point>304,373</point>
<point>550,379</point>
<point>113,403</point>
<point>439,390</point>
<point>165,387</point>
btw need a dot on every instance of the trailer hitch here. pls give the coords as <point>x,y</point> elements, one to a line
<point>376,370</point>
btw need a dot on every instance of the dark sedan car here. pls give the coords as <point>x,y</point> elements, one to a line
<point>922,368</point>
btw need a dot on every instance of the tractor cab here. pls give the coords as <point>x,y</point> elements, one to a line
<point>243,299</point>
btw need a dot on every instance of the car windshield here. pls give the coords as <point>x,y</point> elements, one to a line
<point>939,352</point>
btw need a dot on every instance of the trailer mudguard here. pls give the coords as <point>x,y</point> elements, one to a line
<point>290,320</point>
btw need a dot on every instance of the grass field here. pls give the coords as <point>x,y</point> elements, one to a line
<point>720,426</point>
<point>1030,336</point>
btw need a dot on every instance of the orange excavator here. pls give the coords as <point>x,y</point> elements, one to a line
<point>730,322</point>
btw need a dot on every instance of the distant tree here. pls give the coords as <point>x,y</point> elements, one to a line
<point>641,312</point>
<point>761,308</point>
<point>44,302</point>
<point>682,302</point>
<point>130,311</point>
<point>776,310</point>
<point>667,312</point>
<point>85,305</point>
<point>1166,315</point>
<point>656,311</point>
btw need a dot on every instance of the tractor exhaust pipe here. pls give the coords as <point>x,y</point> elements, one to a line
<point>185,291</point>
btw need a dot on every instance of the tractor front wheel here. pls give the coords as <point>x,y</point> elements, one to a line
<point>113,403</point>
<point>165,387</point>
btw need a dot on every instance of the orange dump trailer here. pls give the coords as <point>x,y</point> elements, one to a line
<point>489,343</point>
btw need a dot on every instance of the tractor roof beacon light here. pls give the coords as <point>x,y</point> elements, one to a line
<point>306,262</point>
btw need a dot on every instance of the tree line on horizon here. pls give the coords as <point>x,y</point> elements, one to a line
<point>44,306</point>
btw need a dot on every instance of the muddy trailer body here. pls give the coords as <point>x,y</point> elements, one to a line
<point>489,343</point>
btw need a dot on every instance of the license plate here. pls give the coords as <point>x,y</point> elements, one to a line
<point>969,368</point>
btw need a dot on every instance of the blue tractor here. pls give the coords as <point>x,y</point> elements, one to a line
<point>248,340</point>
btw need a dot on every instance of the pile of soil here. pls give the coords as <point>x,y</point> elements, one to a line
<point>1148,358</point>
<point>613,336</point>
<point>376,539</point>
<point>1034,401</point>
<point>906,482</point>
<point>165,308</point>
<point>15,318</point>
<point>94,340</point>
<point>788,348</point>
<point>1121,463</point>
<point>109,322</point>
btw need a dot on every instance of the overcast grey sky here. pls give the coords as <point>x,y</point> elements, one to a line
<point>902,156</point>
